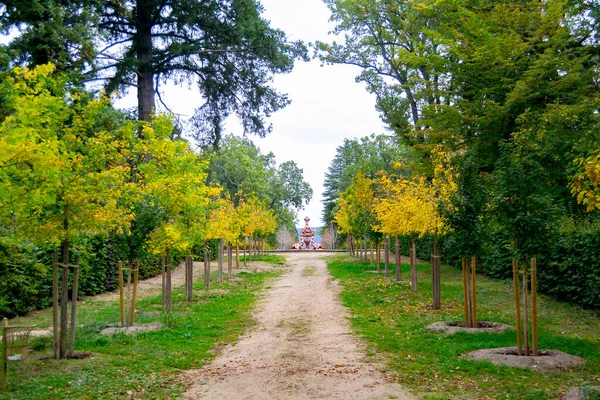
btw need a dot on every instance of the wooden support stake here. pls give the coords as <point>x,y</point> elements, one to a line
<point>435,276</point>
<point>4,352</point>
<point>466,293</point>
<point>515,267</point>
<point>398,260</point>
<point>162,276</point>
<point>64,300</point>
<point>534,322</point>
<point>413,263</point>
<point>221,246</point>
<point>386,255</point>
<point>206,270</point>
<point>121,296</point>
<point>128,293</point>
<point>189,278</point>
<point>474,291</point>
<point>245,242</point>
<point>526,347</point>
<point>168,281</point>
<point>229,258</point>
<point>378,254</point>
<point>134,293</point>
<point>55,305</point>
<point>74,294</point>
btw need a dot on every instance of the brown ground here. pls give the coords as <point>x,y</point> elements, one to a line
<point>548,360</point>
<point>300,348</point>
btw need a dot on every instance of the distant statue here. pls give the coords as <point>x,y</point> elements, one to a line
<point>307,239</point>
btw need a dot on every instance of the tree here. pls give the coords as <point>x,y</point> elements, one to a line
<point>284,239</point>
<point>238,165</point>
<point>329,236</point>
<point>174,179</point>
<point>51,31</point>
<point>63,171</point>
<point>226,48</point>
<point>368,155</point>
<point>402,56</point>
<point>587,182</point>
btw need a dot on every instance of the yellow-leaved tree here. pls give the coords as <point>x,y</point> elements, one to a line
<point>174,180</point>
<point>587,182</point>
<point>355,215</point>
<point>225,225</point>
<point>256,220</point>
<point>416,207</point>
<point>63,172</point>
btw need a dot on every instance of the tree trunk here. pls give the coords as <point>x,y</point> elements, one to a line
<point>245,244</point>
<point>142,41</point>
<point>237,255</point>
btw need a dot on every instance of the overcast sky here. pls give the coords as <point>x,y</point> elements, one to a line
<point>327,104</point>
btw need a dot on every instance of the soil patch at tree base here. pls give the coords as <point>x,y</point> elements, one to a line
<point>548,360</point>
<point>154,326</point>
<point>458,326</point>
<point>582,393</point>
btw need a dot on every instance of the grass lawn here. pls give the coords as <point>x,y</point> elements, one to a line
<point>145,365</point>
<point>392,321</point>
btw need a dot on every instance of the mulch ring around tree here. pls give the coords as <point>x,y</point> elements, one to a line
<point>548,360</point>
<point>582,393</point>
<point>459,326</point>
<point>130,330</point>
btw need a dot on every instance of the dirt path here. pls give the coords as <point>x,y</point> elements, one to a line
<point>300,348</point>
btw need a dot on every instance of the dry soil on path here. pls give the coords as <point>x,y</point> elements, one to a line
<point>301,347</point>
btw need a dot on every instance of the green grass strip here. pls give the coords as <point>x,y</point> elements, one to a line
<point>145,365</point>
<point>393,321</point>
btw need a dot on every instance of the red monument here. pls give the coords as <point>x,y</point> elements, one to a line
<point>307,239</point>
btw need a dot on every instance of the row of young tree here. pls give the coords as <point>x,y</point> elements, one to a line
<point>507,93</point>
<point>74,168</point>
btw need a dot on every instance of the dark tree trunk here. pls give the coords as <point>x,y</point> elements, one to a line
<point>145,73</point>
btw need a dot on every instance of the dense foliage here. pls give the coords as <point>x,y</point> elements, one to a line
<point>508,91</point>
<point>226,49</point>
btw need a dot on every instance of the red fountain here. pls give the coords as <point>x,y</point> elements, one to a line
<point>307,239</point>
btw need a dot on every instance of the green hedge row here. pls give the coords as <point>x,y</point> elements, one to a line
<point>26,270</point>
